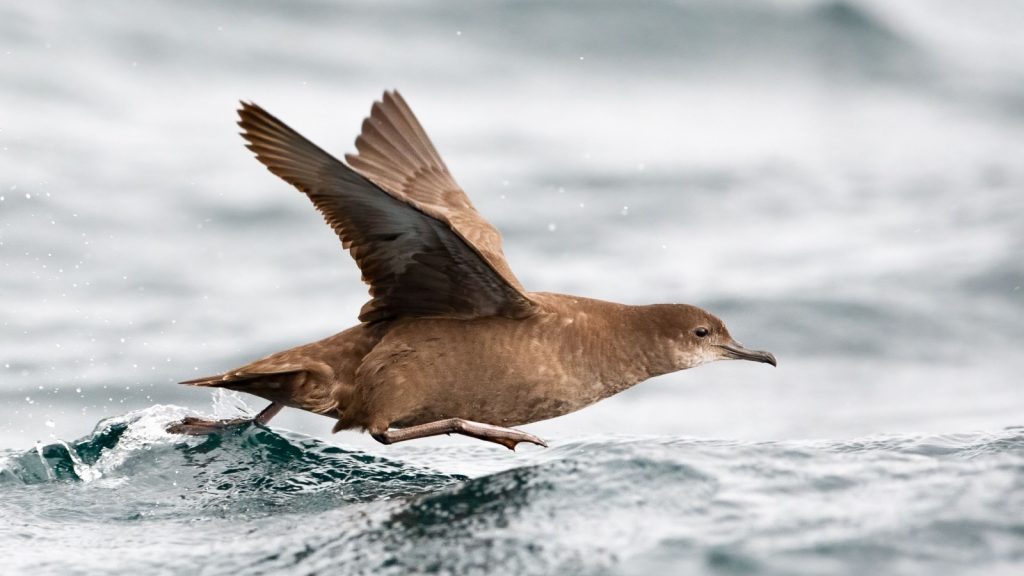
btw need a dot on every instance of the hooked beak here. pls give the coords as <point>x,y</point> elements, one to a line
<point>735,351</point>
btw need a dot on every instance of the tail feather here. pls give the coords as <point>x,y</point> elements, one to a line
<point>215,381</point>
<point>303,389</point>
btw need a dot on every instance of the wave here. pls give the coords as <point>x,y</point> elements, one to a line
<point>609,504</point>
<point>247,459</point>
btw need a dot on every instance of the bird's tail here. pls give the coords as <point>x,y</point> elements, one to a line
<point>299,388</point>
<point>218,381</point>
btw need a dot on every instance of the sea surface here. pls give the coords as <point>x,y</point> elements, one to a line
<point>841,182</point>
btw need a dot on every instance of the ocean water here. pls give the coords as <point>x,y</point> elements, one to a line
<point>257,501</point>
<point>842,182</point>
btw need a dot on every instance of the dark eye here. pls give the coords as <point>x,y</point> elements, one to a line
<point>701,332</point>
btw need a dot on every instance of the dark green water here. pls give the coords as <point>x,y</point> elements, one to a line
<point>130,499</point>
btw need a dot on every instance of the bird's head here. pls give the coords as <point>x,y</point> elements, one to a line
<point>698,337</point>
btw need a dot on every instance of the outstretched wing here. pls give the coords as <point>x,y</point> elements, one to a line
<point>416,263</point>
<point>396,154</point>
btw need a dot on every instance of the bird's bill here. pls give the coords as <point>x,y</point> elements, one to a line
<point>736,352</point>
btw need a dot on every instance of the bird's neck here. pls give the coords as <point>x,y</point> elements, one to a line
<point>619,345</point>
<point>642,338</point>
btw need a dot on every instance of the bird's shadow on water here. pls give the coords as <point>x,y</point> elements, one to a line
<point>463,526</point>
<point>553,513</point>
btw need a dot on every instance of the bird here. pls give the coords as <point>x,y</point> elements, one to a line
<point>450,342</point>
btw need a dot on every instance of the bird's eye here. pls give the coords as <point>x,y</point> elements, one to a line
<point>701,332</point>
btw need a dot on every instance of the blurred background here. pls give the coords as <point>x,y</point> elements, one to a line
<point>842,182</point>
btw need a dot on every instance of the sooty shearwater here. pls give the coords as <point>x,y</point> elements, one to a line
<point>450,341</point>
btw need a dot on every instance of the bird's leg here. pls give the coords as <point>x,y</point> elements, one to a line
<point>201,426</point>
<point>507,437</point>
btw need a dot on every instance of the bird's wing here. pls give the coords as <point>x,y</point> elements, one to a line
<point>416,263</point>
<point>396,154</point>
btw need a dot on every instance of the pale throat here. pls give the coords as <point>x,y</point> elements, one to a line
<point>684,357</point>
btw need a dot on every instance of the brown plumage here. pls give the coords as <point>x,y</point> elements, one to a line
<point>450,341</point>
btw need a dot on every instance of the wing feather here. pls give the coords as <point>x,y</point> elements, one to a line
<point>395,153</point>
<point>415,262</point>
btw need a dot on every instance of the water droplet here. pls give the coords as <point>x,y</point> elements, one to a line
<point>50,424</point>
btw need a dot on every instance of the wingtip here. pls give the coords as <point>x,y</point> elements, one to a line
<point>244,110</point>
<point>399,100</point>
<point>391,96</point>
<point>250,117</point>
<point>247,111</point>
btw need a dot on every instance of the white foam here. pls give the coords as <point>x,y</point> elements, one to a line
<point>146,428</point>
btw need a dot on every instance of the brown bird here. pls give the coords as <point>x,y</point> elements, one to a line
<point>450,341</point>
